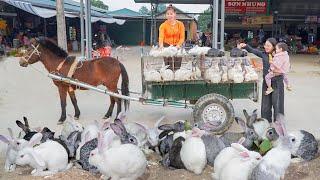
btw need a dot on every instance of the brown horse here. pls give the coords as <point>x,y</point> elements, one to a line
<point>102,71</point>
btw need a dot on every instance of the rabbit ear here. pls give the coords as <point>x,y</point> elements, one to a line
<point>4,139</point>
<point>238,147</point>
<point>280,126</point>
<point>244,154</point>
<point>241,140</point>
<point>11,133</point>
<point>164,133</point>
<point>35,139</point>
<point>242,123</point>
<point>246,115</point>
<point>117,130</point>
<point>39,129</point>
<point>156,125</point>
<point>86,137</point>
<point>120,124</point>
<point>254,116</point>
<point>22,126</point>
<point>105,125</point>
<point>100,141</point>
<point>37,158</point>
<point>166,127</point>
<point>122,116</point>
<point>26,123</point>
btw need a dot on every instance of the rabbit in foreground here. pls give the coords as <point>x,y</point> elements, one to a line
<point>274,164</point>
<point>125,161</point>
<point>47,158</point>
<point>14,145</point>
<point>240,167</point>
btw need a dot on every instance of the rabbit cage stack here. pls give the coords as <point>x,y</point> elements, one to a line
<point>202,71</point>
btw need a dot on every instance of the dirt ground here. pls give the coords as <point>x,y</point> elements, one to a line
<point>26,92</point>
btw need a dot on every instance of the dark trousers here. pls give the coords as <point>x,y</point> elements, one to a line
<point>274,101</point>
<point>174,63</point>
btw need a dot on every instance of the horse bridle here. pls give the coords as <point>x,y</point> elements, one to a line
<point>35,51</point>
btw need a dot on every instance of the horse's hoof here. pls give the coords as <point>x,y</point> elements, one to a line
<point>105,117</point>
<point>60,122</point>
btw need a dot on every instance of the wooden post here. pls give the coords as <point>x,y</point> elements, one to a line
<point>61,25</point>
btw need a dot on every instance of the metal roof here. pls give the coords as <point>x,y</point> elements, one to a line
<point>69,5</point>
<point>176,1</point>
<point>126,13</point>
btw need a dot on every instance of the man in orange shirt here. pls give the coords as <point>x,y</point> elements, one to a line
<point>172,32</point>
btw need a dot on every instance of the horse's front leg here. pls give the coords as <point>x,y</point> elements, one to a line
<point>63,98</point>
<point>75,104</point>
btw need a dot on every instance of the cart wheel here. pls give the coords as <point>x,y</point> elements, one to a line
<point>214,107</point>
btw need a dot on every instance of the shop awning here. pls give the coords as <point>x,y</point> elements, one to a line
<point>48,13</point>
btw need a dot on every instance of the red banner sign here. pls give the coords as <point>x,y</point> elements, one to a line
<point>246,6</point>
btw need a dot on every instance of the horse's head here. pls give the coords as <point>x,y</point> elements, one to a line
<point>32,54</point>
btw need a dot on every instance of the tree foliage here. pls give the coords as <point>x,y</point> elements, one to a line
<point>204,19</point>
<point>144,10</point>
<point>99,4</point>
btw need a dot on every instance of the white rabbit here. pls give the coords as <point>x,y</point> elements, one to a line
<point>49,155</point>
<point>240,168</point>
<point>151,74</point>
<point>169,51</point>
<point>166,74</point>
<point>224,76</point>
<point>275,163</point>
<point>181,52</point>
<point>182,74</point>
<point>70,126</point>
<point>251,74</point>
<point>14,145</point>
<point>193,154</point>
<point>238,73</point>
<point>225,156</point>
<point>196,50</point>
<point>125,161</point>
<point>155,51</point>
<point>213,74</point>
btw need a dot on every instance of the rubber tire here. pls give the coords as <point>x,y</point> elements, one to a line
<point>217,99</point>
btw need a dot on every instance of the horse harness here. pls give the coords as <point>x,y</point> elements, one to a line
<point>72,69</point>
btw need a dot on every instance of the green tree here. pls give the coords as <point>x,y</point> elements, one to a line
<point>161,8</point>
<point>99,4</point>
<point>144,10</point>
<point>204,19</point>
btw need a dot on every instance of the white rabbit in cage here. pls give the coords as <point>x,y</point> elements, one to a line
<point>213,73</point>
<point>166,74</point>
<point>251,74</point>
<point>238,73</point>
<point>196,50</point>
<point>155,51</point>
<point>151,74</point>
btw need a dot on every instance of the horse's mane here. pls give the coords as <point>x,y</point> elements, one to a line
<point>53,47</point>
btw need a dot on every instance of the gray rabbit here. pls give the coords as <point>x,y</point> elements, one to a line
<point>232,137</point>
<point>213,147</point>
<point>72,142</point>
<point>305,145</point>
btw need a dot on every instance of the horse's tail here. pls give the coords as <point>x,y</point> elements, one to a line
<point>125,85</point>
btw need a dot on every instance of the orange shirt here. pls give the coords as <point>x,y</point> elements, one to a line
<point>171,34</point>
